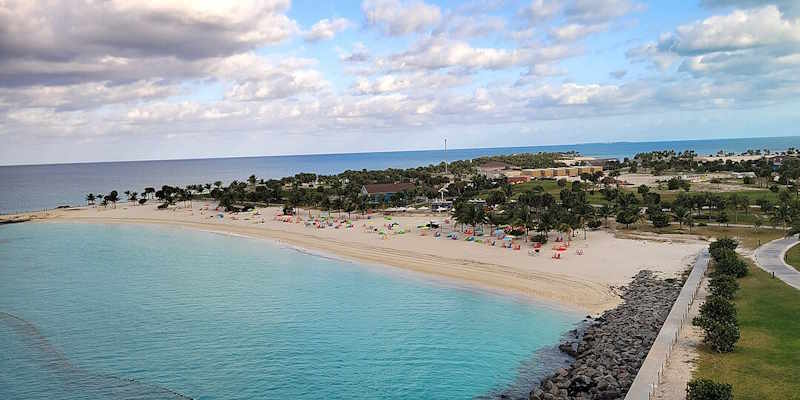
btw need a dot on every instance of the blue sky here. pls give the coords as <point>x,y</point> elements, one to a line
<point>127,80</point>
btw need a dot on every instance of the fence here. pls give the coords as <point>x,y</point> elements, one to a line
<point>646,382</point>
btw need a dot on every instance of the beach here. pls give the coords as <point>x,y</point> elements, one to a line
<point>584,281</point>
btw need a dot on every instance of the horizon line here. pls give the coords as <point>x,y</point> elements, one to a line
<point>393,151</point>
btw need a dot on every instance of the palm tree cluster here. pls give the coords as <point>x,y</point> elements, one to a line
<point>534,210</point>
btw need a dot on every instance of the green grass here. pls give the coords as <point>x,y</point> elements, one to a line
<point>766,362</point>
<point>793,257</point>
<point>748,238</point>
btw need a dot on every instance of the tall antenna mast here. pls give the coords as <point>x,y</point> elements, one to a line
<point>445,156</point>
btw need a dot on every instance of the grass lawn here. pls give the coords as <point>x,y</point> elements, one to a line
<point>793,257</point>
<point>748,238</point>
<point>766,362</point>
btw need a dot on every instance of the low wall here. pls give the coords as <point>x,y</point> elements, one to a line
<point>649,375</point>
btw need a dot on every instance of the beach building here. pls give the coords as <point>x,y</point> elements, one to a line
<point>495,169</point>
<point>602,162</point>
<point>383,192</point>
<point>561,171</point>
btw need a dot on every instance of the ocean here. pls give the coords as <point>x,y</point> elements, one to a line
<point>93,311</point>
<point>37,187</point>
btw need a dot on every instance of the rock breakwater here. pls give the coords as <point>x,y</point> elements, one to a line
<point>613,346</point>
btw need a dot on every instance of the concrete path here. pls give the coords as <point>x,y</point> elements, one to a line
<point>770,257</point>
<point>646,382</point>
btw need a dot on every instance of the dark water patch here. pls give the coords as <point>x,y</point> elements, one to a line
<point>74,379</point>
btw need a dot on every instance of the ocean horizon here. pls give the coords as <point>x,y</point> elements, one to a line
<point>33,187</point>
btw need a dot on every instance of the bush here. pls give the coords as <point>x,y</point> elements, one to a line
<point>594,224</point>
<point>723,285</point>
<point>715,309</point>
<point>722,336</point>
<point>729,263</point>
<point>163,206</point>
<point>706,389</point>
<point>721,244</point>
<point>659,219</point>
<point>541,238</point>
<point>747,180</point>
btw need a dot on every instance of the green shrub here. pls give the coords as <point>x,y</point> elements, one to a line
<point>706,389</point>
<point>723,285</point>
<point>594,223</point>
<point>730,264</point>
<point>715,309</point>
<point>720,245</point>
<point>541,238</point>
<point>722,336</point>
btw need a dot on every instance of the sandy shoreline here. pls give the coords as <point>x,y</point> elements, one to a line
<point>583,282</point>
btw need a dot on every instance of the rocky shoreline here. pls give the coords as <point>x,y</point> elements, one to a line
<point>612,347</point>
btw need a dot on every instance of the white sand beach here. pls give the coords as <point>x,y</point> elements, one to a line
<point>583,278</point>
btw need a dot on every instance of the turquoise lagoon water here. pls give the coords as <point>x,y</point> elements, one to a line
<point>134,311</point>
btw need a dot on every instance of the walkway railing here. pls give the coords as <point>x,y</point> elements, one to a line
<point>646,382</point>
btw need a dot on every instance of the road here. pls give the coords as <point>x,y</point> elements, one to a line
<point>770,257</point>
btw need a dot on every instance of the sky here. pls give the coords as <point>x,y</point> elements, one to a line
<point>163,79</point>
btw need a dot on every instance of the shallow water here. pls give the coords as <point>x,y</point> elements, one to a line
<point>134,311</point>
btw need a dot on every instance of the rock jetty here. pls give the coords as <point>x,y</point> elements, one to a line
<point>613,346</point>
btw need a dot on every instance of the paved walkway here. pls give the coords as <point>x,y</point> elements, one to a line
<point>770,257</point>
<point>646,382</point>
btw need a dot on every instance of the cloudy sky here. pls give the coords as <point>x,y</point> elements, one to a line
<point>154,79</point>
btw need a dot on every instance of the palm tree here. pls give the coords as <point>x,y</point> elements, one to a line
<point>605,211</point>
<point>681,213</point>
<point>494,220</point>
<point>757,222</point>
<point>90,199</point>
<point>113,198</point>
<point>735,202</point>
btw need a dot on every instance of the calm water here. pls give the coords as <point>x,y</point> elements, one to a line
<point>127,311</point>
<point>35,187</point>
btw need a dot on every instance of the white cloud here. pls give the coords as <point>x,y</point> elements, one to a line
<point>741,29</point>
<point>463,27</point>
<point>439,52</point>
<point>395,17</point>
<point>599,11</point>
<point>541,10</point>
<point>573,32</point>
<point>419,81</point>
<point>326,29</point>
<point>755,42</point>
<point>64,42</point>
